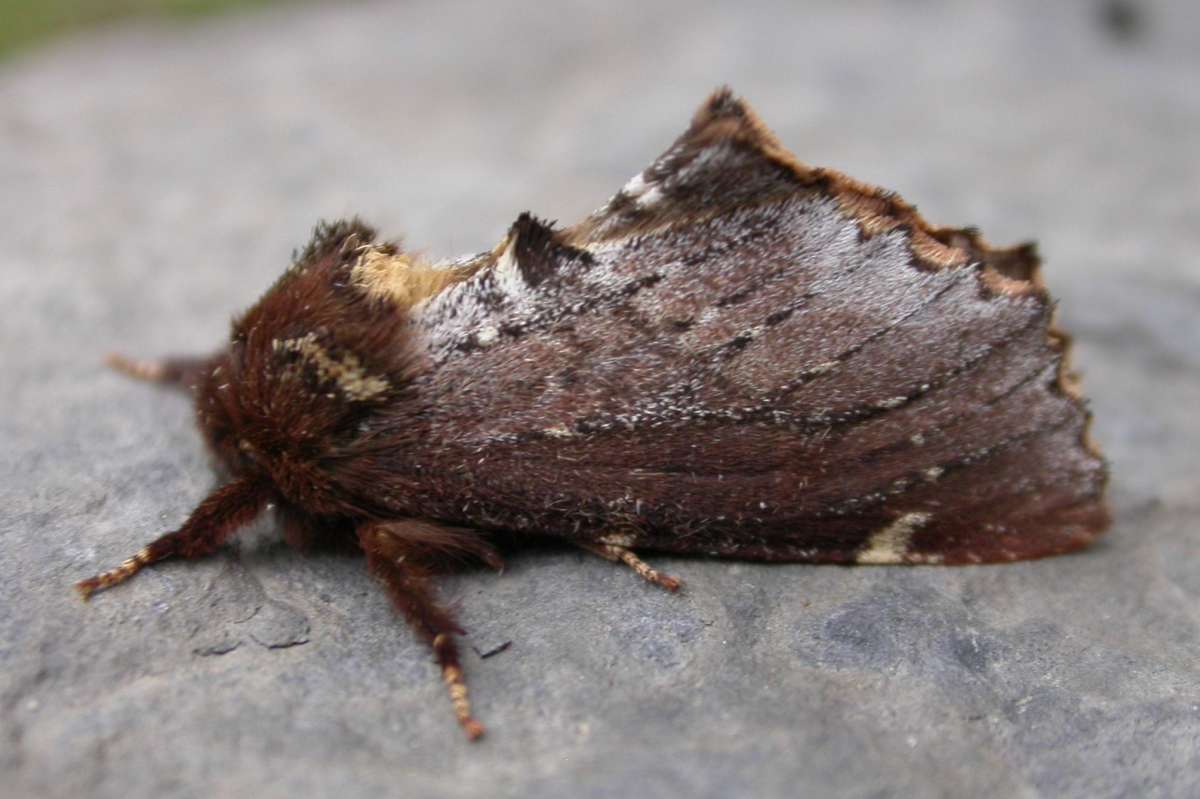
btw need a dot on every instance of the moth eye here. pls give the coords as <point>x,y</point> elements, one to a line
<point>247,449</point>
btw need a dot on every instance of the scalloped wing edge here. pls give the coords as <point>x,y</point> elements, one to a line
<point>727,120</point>
<point>726,123</point>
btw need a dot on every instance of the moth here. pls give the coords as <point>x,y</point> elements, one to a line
<point>738,355</point>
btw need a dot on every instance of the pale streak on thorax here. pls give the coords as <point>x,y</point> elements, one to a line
<point>346,371</point>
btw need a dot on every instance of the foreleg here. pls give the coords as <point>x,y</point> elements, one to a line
<point>216,518</point>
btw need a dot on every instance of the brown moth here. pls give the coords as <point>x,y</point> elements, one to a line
<point>738,355</point>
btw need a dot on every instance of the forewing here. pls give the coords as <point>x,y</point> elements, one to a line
<point>740,354</point>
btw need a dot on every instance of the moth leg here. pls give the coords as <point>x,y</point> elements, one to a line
<point>623,554</point>
<point>182,372</point>
<point>220,514</point>
<point>388,558</point>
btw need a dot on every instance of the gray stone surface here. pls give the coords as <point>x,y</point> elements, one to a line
<point>153,181</point>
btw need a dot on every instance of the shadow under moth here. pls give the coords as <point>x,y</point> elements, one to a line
<point>739,355</point>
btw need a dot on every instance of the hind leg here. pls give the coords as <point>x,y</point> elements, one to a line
<point>619,553</point>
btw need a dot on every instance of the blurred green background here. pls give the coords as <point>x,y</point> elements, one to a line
<point>27,23</point>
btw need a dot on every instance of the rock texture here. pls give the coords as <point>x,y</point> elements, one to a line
<point>154,181</point>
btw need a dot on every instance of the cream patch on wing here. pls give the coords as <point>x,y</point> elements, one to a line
<point>347,372</point>
<point>890,545</point>
<point>398,278</point>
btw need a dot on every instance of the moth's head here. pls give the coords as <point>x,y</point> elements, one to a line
<point>307,370</point>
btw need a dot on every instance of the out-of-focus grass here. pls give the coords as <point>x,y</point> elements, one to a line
<point>27,22</point>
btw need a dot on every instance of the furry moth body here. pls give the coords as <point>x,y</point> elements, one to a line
<point>738,355</point>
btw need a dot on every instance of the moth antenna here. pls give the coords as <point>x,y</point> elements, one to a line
<point>182,372</point>
<point>217,517</point>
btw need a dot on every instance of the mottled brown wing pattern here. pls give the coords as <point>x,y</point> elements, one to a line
<point>741,355</point>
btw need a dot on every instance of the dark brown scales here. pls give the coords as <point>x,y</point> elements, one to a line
<point>738,355</point>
